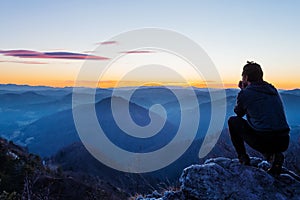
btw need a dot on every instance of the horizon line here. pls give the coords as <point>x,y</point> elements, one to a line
<point>131,86</point>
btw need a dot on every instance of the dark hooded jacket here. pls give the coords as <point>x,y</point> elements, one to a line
<point>263,107</point>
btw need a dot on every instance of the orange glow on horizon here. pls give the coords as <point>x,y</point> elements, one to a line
<point>114,83</point>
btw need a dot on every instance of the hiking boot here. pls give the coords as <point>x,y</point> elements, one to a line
<point>244,159</point>
<point>269,157</point>
<point>276,168</point>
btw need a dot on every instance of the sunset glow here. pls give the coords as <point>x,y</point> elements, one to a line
<point>50,47</point>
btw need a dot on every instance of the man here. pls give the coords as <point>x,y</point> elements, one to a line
<point>266,129</point>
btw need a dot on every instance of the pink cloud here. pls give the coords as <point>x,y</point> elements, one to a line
<point>137,51</point>
<point>50,55</point>
<point>106,42</point>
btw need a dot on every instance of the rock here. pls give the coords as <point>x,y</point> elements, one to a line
<point>168,195</point>
<point>224,178</point>
<point>154,194</point>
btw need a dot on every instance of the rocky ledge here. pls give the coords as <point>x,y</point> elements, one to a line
<point>224,178</point>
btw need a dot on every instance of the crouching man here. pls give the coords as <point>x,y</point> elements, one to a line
<point>266,129</point>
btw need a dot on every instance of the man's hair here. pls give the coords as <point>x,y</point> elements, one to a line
<point>253,71</point>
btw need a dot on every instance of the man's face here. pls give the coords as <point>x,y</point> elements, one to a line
<point>245,78</point>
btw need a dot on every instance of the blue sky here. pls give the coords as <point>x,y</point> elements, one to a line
<point>231,32</point>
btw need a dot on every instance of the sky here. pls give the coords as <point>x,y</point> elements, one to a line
<point>48,42</point>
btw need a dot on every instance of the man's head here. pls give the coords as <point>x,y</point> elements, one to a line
<point>252,72</point>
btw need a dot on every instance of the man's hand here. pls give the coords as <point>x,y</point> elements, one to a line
<point>242,85</point>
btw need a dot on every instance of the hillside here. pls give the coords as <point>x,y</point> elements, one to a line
<point>24,176</point>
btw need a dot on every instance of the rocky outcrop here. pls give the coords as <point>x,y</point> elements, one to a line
<point>224,178</point>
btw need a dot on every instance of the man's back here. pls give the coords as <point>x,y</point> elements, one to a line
<point>263,107</point>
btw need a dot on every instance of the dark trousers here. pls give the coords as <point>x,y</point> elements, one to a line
<point>264,142</point>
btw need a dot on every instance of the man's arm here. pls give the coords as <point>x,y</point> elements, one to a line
<point>239,108</point>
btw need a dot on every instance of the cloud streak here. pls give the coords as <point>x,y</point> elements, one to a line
<point>137,51</point>
<point>107,42</point>
<point>51,55</point>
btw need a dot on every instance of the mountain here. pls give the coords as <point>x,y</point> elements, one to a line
<point>15,87</point>
<point>51,133</point>
<point>294,92</point>
<point>20,109</point>
<point>224,178</point>
<point>41,119</point>
<point>291,103</point>
<point>9,100</point>
<point>26,176</point>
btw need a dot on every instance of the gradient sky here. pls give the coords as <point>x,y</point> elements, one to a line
<point>231,32</point>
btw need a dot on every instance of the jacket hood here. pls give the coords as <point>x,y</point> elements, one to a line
<point>263,87</point>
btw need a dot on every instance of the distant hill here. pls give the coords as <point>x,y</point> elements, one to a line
<point>15,87</point>
<point>9,100</point>
<point>18,109</point>
<point>292,106</point>
<point>51,133</point>
<point>294,92</point>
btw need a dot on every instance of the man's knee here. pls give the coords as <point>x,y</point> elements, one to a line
<point>235,124</point>
<point>232,120</point>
